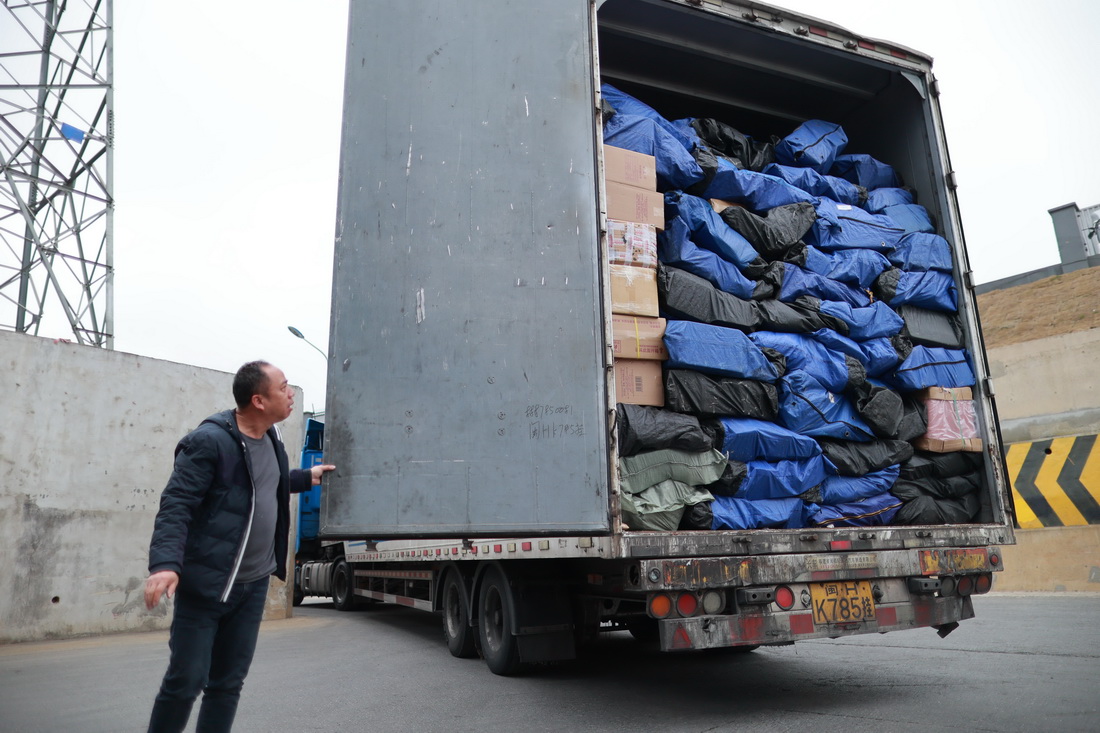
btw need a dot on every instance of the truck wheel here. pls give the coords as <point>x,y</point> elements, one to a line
<point>495,613</point>
<point>297,595</point>
<point>343,597</point>
<point>456,623</point>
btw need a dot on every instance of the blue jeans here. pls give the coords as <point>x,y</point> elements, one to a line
<point>211,646</point>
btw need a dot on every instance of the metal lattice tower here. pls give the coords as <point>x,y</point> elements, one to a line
<point>56,149</point>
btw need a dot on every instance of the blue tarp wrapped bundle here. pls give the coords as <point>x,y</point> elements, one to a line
<point>922,251</point>
<point>781,479</point>
<point>873,321</point>
<point>877,356</point>
<point>793,282</point>
<point>675,166</point>
<point>836,490</point>
<point>625,104</point>
<point>674,247</point>
<point>746,439</point>
<point>856,267</point>
<point>865,171</point>
<point>813,144</point>
<point>759,192</point>
<point>911,218</point>
<point>929,366</point>
<point>732,513</point>
<point>874,511</point>
<point>880,198</point>
<point>816,184</point>
<point>930,289</point>
<point>711,232</point>
<point>834,370</point>
<point>806,407</point>
<point>716,350</point>
<point>843,226</point>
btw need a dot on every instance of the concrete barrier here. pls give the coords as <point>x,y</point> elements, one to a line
<point>1048,386</point>
<point>85,450</point>
<point>1052,559</point>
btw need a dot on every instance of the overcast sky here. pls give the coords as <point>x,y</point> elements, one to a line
<point>227,144</point>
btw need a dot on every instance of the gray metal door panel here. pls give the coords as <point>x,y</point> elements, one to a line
<point>467,386</point>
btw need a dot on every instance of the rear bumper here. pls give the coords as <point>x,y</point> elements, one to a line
<point>762,626</point>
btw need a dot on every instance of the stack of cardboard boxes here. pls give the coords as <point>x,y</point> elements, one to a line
<point>635,211</point>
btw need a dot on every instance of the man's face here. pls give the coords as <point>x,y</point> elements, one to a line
<point>278,401</point>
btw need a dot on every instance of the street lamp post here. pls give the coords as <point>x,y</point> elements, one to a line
<point>300,335</point>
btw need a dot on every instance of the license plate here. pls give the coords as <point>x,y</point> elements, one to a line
<point>842,602</point>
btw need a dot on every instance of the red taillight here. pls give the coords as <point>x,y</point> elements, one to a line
<point>994,559</point>
<point>983,583</point>
<point>687,604</point>
<point>660,605</point>
<point>965,585</point>
<point>784,598</point>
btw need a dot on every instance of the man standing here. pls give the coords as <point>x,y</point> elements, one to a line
<point>221,532</point>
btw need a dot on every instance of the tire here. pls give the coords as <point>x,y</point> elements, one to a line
<point>297,595</point>
<point>457,631</point>
<point>495,613</point>
<point>343,598</point>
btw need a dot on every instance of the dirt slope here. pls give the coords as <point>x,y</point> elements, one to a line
<point>1049,307</point>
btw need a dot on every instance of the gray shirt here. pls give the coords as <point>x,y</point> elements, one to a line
<point>259,553</point>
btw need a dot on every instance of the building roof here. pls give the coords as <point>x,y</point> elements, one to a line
<point>1049,307</point>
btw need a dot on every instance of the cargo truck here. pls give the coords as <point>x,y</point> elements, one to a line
<point>472,409</point>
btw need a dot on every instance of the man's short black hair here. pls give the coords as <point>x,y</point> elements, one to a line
<point>250,379</point>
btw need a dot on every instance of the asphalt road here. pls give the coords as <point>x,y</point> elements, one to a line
<point>1026,663</point>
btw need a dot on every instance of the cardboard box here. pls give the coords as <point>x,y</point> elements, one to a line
<point>634,291</point>
<point>946,393</point>
<point>626,166</point>
<point>969,445</point>
<point>639,382</point>
<point>631,243</point>
<point>635,337</point>
<point>630,203</point>
<point>719,205</point>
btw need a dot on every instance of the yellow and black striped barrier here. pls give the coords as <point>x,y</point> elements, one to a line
<point>1056,482</point>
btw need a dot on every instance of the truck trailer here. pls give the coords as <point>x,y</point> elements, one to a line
<point>475,407</point>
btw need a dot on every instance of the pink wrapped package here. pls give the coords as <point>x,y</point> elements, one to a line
<point>952,421</point>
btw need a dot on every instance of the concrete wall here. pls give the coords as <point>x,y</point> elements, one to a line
<point>1052,559</point>
<point>85,450</point>
<point>1048,387</point>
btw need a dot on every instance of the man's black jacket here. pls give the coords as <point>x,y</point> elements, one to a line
<point>206,508</point>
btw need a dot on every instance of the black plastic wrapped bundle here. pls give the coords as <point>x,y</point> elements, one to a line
<point>687,296</point>
<point>700,394</point>
<point>859,459</point>
<point>642,429</point>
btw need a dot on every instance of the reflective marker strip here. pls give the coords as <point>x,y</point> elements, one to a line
<point>1056,482</point>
